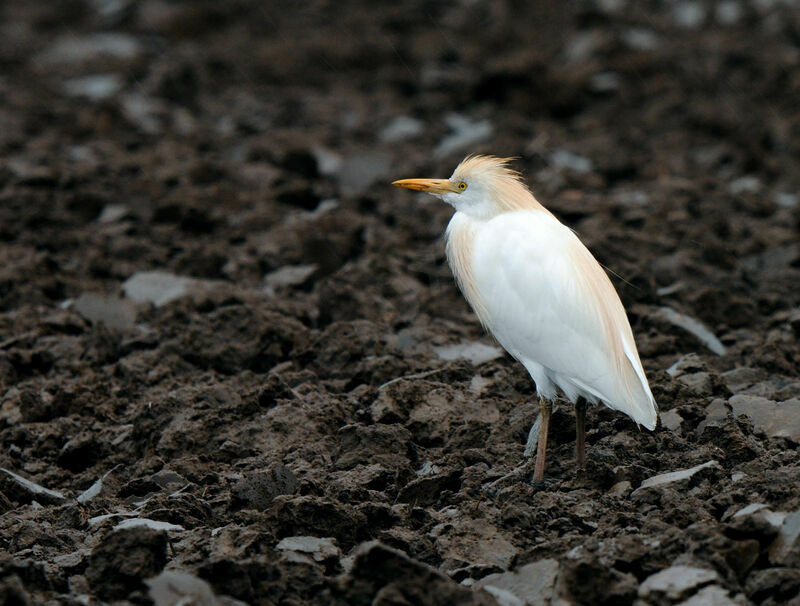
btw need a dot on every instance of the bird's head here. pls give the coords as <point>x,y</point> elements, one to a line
<point>481,186</point>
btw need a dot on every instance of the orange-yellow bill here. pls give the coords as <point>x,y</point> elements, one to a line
<point>432,186</point>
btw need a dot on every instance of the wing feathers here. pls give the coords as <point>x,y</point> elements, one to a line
<point>551,305</point>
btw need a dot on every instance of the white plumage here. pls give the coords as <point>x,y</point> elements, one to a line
<point>540,292</point>
<point>541,311</point>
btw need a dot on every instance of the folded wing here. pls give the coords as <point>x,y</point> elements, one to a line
<point>548,301</point>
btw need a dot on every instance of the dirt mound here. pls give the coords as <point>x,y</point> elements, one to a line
<point>225,340</point>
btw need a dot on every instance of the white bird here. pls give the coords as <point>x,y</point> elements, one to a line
<point>541,293</point>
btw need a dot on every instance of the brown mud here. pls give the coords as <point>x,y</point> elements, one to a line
<point>293,387</point>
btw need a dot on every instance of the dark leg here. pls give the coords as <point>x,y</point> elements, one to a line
<point>545,408</point>
<point>580,432</point>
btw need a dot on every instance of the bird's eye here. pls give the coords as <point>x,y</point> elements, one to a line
<point>461,186</point>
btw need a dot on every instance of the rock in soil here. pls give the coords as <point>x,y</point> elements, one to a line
<point>231,351</point>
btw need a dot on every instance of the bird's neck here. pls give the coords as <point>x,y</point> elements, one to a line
<point>460,236</point>
<point>513,195</point>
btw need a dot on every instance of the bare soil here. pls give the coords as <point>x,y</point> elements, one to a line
<point>227,141</point>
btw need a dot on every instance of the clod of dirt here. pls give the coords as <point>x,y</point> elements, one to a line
<point>474,543</point>
<point>174,587</point>
<point>24,491</point>
<point>114,312</point>
<point>12,591</point>
<point>713,595</point>
<point>428,490</point>
<point>321,550</point>
<point>122,561</point>
<point>755,521</point>
<point>667,479</point>
<point>381,575</point>
<point>532,583</point>
<point>776,419</point>
<point>80,452</point>
<point>693,327</point>
<point>675,583</point>
<point>318,516</point>
<point>257,489</point>
<point>786,548</point>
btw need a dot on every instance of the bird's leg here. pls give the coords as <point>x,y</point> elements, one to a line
<point>580,433</point>
<point>545,408</point>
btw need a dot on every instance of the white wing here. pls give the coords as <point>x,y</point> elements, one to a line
<point>551,305</point>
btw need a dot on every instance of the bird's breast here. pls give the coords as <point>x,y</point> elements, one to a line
<point>460,236</point>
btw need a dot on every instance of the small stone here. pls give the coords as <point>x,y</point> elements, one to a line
<point>755,521</point>
<point>786,548</point>
<point>157,525</point>
<point>692,326</point>
<point>169,480</point>
<point>320,549</point>
<point>479,383</point>
<point>620,489</point>
<point>329,163</point>
<point>690,363</point>
<point>475,351</point>
<point>401,128</point>
<point>641,39</point>
<point>174,587</point>
<point>671,420</point>
<point>729,12</point>
<point>739,379</point>
<point>717,413</point>
<point>465,133</point>
<point>676,582</point>
<point>698,382</point>
<point>666,479</point>
<point>562,159</point>
<point>71,560</point>
<point>749,510</point>
<point>582,46</point>
<point>746,184</point>
<point>116,313</point>
<point>533,584</point>
<point>76,50</point>
<point>689,15</point>
<point>776,419</point>
<point>23,490</point>
<point>359,171</point>
<point>161,287</point>
<point>112,213</point>
<point>98,87</point>
<point>289,275</point>
<point>713,595</point>
<point>157,287</point>
<point>503,597</point>
<point>605,82</point>
<point>148,114</point>
<point>786,199</point>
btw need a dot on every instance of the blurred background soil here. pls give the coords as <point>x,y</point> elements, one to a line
<point>229,348</point>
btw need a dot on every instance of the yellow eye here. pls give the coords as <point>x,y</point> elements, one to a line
<point>461,186</point>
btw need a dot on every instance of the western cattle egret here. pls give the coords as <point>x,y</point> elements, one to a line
<point>541,293</point>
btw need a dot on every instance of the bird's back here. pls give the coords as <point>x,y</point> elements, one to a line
<point>545,298</point>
